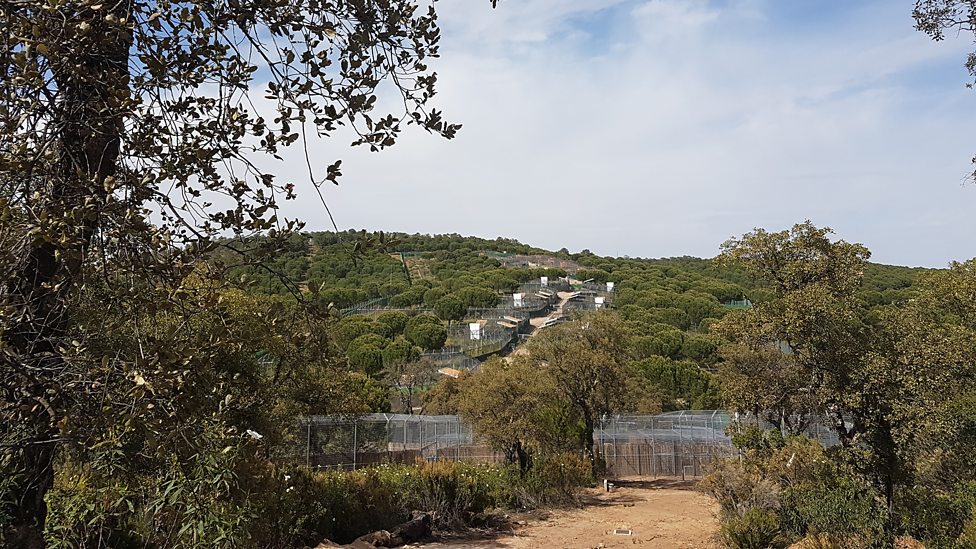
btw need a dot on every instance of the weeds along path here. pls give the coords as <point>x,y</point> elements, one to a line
<point>666,514</point>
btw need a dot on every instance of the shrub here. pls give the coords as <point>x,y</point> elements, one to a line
<point>273,507</point>
<point>551,481</point>
<point>343,505</point>
<point>967,539</point>
<point>739,488</point>
<point>182,505</point>
<point>756,529</point>
<point>837,507</point>
<point>938,519</point>
<point>453,492</point>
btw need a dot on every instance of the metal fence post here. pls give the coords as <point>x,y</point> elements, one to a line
<point>308,445</point>
<point>355,442</point>
<point>674,458</point>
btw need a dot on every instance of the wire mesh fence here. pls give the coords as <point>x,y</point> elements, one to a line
<point>451,358</point>
<point>588,301</point>
<point>676,444</point>
<point>351,443</point>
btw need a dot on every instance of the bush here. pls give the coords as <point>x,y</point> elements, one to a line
<point>841,510</point>
<point>756,529</point>
<point>181,505</point>
<point>453,492</point>
<point>795,481</point>
<point>967,539</point>
<point>343,505</point>
<point>738,488</point>
<point>938,519</point>
<point>271,507</point>
<point>552,480</point>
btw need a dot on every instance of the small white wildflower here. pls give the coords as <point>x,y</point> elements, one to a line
<point>254,434</point>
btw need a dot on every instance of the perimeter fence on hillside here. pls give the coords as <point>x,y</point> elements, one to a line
<point>552,286</point>
<point>586,301</point>
<point>452,357</point>
<point>531,306</point>
<point>492,338</point>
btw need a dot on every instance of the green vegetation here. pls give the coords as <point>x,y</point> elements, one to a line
<point>669,306</point>
<point>670,344</point>
<point>130,146</point>
<point>890,381</point>
<point>293,507</point>
<point>161,327</point>
<point>548,400</point>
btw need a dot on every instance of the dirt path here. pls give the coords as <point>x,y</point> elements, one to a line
<point>667,514</point>
<point>537,323</point>
<point>557,311</point>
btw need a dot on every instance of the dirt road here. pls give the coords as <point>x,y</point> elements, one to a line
<point>666,514</point>
<point>537,323</point>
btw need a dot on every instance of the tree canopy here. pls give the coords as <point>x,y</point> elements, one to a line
<point>132,136</point>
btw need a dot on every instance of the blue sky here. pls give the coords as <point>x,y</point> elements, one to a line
<point>662,127</point>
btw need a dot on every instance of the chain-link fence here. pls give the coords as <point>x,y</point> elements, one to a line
<point>671,445</point>
<point>588,300</point>
<point>675,444</point>
<point>351,443</point>
<point>451,358</point>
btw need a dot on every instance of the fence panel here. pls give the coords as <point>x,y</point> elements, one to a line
<point>675,444</point>
<point>666,445</point>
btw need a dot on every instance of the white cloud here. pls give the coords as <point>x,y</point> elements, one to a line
<point>663,127</point>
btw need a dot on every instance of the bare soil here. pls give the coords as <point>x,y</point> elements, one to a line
<point>667,514</point>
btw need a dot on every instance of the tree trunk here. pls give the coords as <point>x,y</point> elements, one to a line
<point>589,425</point>
<point>518,454</point>
<point>891,473</point>
<point>91,75</point>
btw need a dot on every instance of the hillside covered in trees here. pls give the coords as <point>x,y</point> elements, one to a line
<point>421,287</point>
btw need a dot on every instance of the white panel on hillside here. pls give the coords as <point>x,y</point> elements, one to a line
<point>609,286</point>
<point>598,300</point>
<point>517,300</point>
<point>475,330</point>
<point>544,281</point>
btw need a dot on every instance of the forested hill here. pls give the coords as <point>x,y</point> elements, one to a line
<point>415,288</point>
<point>343,271</point>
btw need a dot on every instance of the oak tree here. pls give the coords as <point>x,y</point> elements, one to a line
<point>132,135</point>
